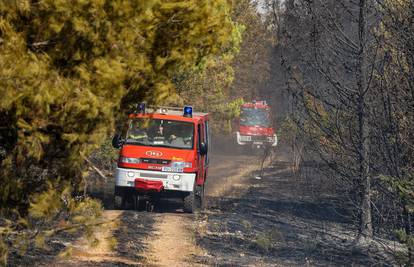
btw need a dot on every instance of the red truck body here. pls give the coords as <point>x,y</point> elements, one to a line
<point>255,126</point>
<point>163,152</point>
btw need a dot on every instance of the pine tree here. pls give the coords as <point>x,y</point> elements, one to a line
<point>68,68</point>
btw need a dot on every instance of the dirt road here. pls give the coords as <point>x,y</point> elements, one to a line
<point>173,242</point>
<point>274,220</point>
<point>165,237</point>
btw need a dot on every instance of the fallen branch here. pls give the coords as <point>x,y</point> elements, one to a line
<point>98,171</point>
<point>42,43</point>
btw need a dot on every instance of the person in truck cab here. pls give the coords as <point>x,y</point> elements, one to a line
<point>136,132</point>
<point>176,141</point>
<point>180,136</point>
<point>156,132</point>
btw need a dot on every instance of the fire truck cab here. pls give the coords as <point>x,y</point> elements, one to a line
<point>163,152</point>
<point>255,129</point>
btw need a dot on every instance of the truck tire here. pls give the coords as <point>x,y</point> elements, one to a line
<point>201,197</point>
<point>119,203</point>
<point>190,203</point>
<point>194,201</point>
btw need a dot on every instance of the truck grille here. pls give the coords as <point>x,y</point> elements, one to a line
<point>153,175</point>
<point>156,161</point>
<point>259,138</point>
<point>245,138</point>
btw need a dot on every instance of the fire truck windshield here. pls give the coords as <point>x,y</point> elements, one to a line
<point>255,117</point>
<point>160,133</point>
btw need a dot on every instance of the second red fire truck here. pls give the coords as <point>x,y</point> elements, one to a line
<point>255,128</point>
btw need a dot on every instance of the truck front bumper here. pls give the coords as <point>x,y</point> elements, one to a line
<point>256,140</point>
<point>171,181</point>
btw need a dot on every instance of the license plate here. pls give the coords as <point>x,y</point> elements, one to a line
<point>171,169</point>
<point>257,143</point>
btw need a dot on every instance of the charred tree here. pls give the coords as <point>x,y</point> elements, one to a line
<point>365,228</point>
<point>330,62</point>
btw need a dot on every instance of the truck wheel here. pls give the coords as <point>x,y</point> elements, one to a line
<point>190,203</point>
<point>200,197</point>
<point>194,201</point>
<point>119,203</point>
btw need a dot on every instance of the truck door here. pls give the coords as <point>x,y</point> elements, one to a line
<point>207,142</point>
<point>201,158</point>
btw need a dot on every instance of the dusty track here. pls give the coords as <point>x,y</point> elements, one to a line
<point>165,237</point>
<point>173,243</point>
<point>103,251</point>
<point>277,220</point>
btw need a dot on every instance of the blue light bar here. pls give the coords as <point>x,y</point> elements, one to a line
<point>188,111</point>
<point>141,108</point>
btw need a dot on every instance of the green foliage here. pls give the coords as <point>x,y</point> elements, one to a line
<point>290,130</point>
<point>225,113</point>
<point>69,69</point>
<point>265,241</point>
<point>105,155</point>
<point>404,188</point>
<point>64,77</point>
<point>48,204</point>
<point>66,253</point>
<point>395,84</point>
<point>246,225</point>
<point>404,238</point>
<point>219,84</point>
<point>207,88</point>
<point>53,211</point>
<point>4,251</point>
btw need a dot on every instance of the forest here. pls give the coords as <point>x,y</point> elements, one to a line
<point>338,74</point>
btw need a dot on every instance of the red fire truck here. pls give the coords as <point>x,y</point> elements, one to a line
<point>164,152</point>
<point>255,129</point>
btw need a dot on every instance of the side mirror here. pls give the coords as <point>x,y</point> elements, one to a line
<point>116,141</point>
<point>203,149</point>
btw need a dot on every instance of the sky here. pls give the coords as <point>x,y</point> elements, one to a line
<point>260,7</point>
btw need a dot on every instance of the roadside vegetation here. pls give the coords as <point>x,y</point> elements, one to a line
<point>339,76</point>
<point>68,71</point>
<point>349,73</point>
<point>67,82</point>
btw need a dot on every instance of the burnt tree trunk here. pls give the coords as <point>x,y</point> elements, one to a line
<point>365,216</point>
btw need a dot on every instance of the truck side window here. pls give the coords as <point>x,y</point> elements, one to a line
<point>200,137</point>
<point>207,134</point>
<point>207,138</point>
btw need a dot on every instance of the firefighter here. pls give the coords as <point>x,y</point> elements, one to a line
<point>182,136</point>
<point>136,132</point>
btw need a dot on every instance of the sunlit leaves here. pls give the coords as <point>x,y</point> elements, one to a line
<point>70,69</point>
<point>65,67</point>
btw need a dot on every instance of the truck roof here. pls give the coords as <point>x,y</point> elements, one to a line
<point>256,104</point>
<point>170,113</point>
<point>173,111</point>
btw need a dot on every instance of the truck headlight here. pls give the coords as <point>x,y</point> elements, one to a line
<point>176,177</point>
<point>181,164</point>
<point>129,160</point>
